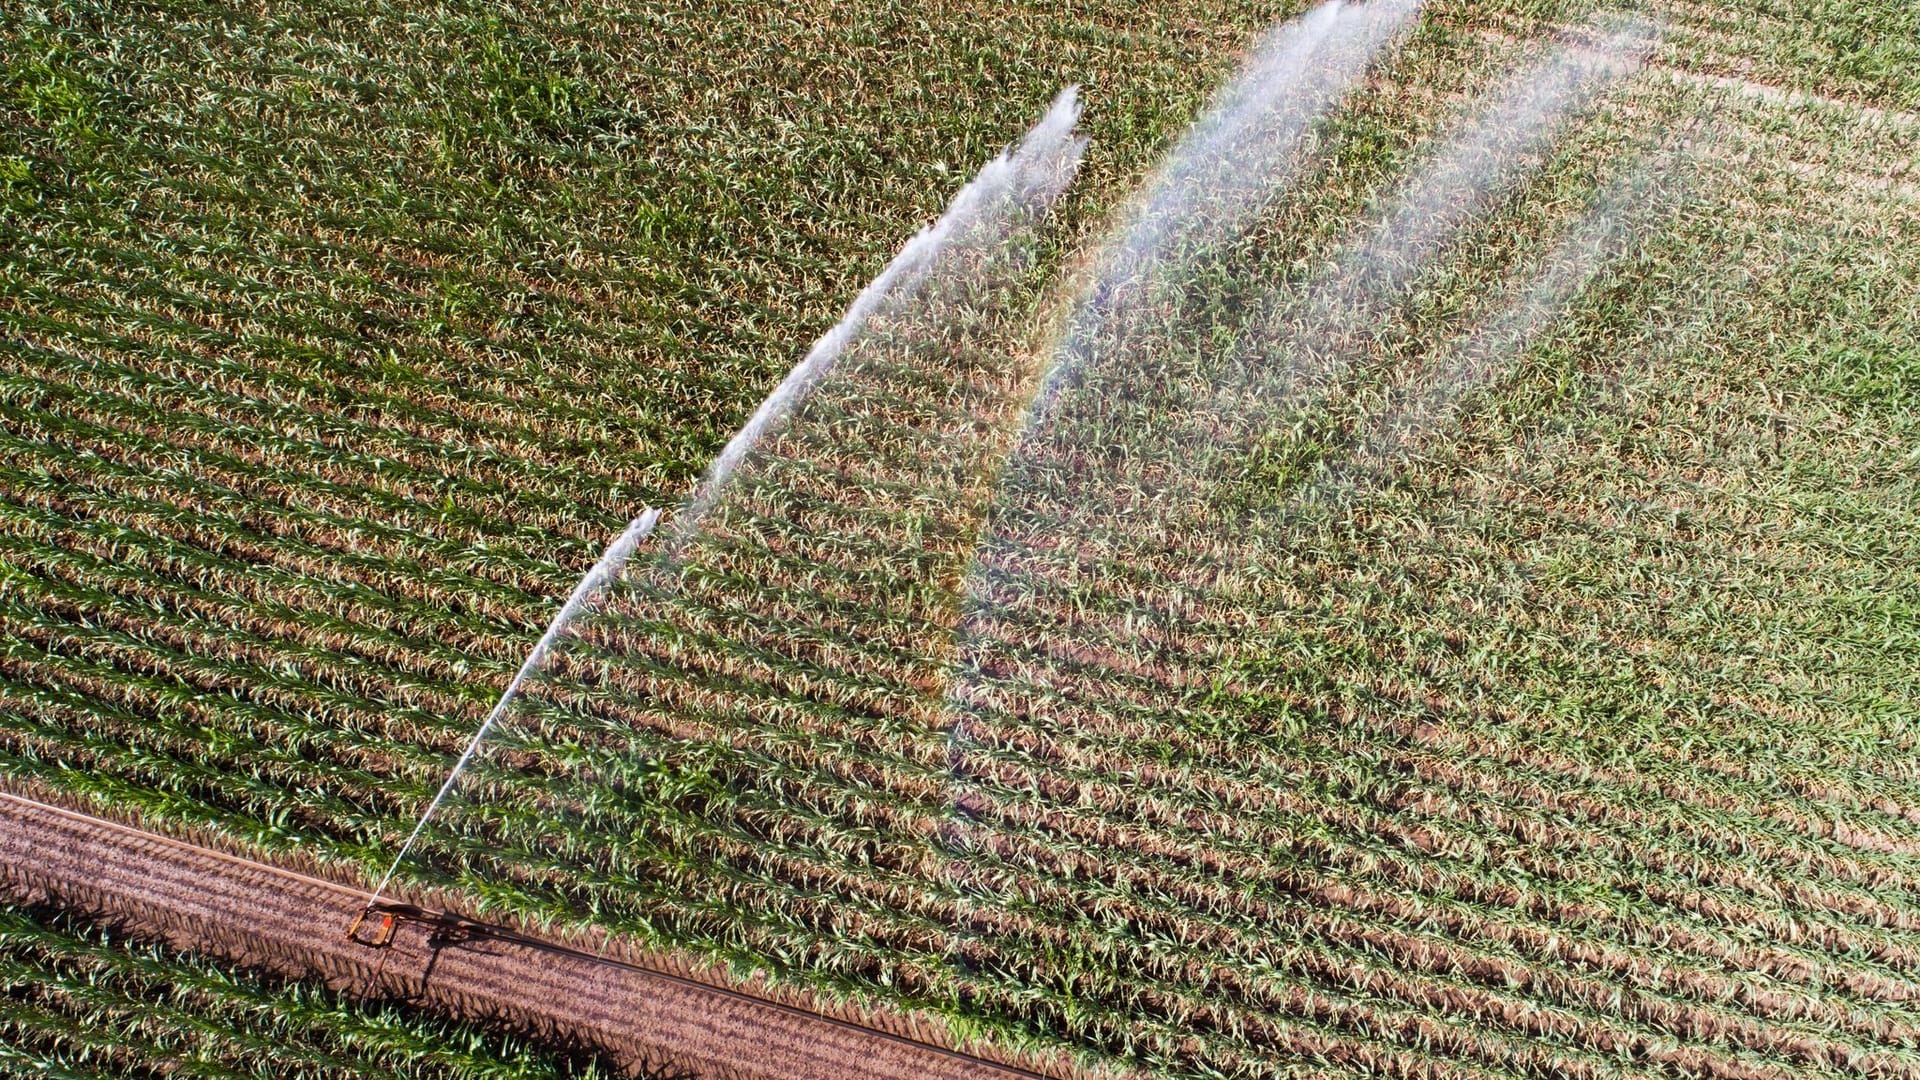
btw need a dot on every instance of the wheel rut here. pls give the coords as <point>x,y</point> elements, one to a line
<point>295,925</point>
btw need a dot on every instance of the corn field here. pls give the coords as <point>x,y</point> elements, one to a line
<point>1569,734</point>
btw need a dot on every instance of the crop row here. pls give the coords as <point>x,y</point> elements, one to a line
<point>297,452</point>
<point>82,1002</point>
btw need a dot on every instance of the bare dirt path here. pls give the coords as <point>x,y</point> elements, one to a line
<point>295,925</point>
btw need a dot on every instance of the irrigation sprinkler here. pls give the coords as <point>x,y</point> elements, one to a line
<point>604,572</point>
<point>382,934</point>
<point>444,927</point>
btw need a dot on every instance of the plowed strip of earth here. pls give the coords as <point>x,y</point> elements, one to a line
<point>266,917</point>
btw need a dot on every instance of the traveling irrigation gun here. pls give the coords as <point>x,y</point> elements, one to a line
<point>380,920</point>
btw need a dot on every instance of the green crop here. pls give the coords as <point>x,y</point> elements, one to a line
<point>81,1001</point>
<point>1570,735</point>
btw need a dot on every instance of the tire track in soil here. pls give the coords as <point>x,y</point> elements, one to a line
<point>293,925</point>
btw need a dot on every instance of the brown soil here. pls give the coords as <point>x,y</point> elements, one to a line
<point>293,925</point>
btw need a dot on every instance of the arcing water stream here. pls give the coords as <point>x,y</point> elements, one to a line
<point>609,567</point>
<point>1025,179</point>
<point>1141,417</point>
<point>1147,422</point>
<point>1007,196</point>
<point>1425,398</point>
<point>1241,151</point>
